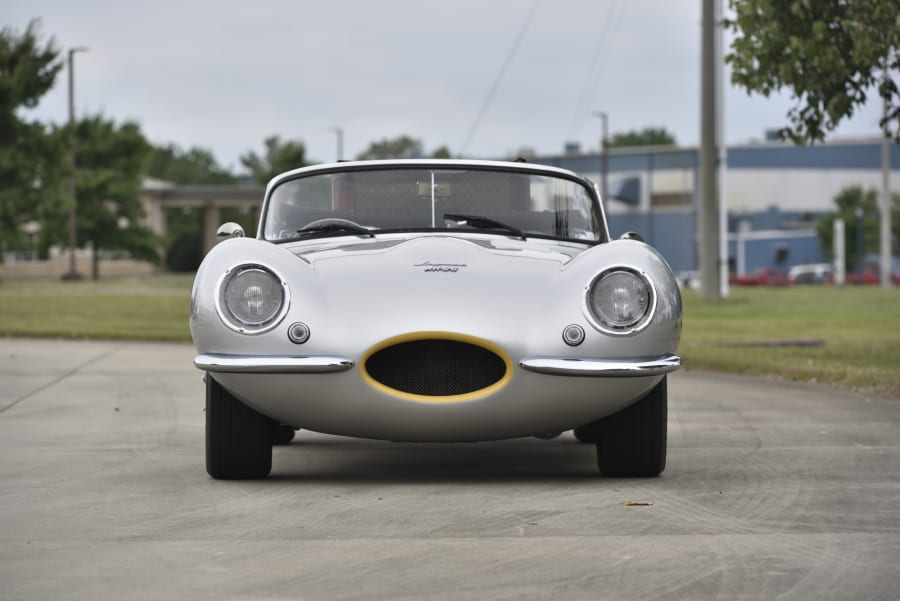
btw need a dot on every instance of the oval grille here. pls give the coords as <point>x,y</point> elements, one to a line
<point>436,367</point>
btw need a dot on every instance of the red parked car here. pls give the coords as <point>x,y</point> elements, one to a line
<point>870,277</point>
<point>764,276</point>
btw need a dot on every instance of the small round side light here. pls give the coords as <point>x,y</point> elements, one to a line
<point>298,333</point>
<point>573,335</point>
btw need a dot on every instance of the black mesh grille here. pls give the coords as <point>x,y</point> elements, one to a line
<point>436,367</point>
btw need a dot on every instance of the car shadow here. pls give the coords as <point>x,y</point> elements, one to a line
<point>339,459</point>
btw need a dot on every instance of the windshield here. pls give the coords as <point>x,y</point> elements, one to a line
<point>425,198</point>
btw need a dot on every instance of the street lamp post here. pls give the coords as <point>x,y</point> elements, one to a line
<point>340,142</point>
<point>72,274</point>
<point>604,156</point>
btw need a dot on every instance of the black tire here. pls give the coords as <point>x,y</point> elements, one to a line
<point>282,434</point>
<point>632,442</point>
<point>238,438</point>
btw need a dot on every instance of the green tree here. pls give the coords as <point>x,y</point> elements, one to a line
<point>108,182</point>
<point>278,157</point>
<point>830,55</point>
<point>442,152</point>
<point>193,166</point>
<point>852,203</point>
<point>30,158</point>
<point>401,147</point>
<point>649,136</point>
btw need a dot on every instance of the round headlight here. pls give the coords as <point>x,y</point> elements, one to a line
<point>252,298</point>
<point>620,300</point>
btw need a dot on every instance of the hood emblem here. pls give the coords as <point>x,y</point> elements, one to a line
<point>430,267</point>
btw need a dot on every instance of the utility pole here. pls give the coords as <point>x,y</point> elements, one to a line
<point>721,152</point>
<point>72,274</point>
<point>885,231</point>
<point>709,205</point>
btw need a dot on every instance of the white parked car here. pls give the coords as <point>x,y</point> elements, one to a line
<point>434,300</point>
<point>811,273</point>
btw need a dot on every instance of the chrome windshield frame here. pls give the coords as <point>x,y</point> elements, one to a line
<point>595,213</point>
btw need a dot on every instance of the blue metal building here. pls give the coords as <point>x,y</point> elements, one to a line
<point>775,193</point>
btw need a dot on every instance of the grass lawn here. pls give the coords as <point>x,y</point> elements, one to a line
<point>858,328</point>
<point>147,308</point>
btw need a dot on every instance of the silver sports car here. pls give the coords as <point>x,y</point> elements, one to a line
<point>434,300</point>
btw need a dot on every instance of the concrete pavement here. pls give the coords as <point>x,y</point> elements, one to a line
<point>772,490</point>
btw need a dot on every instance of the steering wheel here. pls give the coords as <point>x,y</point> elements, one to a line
<point>331,221</point>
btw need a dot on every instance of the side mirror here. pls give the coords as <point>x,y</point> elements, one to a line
<point>631,236</point>
<point>230,230</point>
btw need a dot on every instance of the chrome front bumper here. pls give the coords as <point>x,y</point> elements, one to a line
<point>254,364</point>
<point>557,366</point>
<point>607,368</point>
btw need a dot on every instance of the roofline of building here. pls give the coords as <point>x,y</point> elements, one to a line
<point>670,148</point>
<point>202,192</point>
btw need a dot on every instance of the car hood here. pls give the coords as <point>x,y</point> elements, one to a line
<point>435,252</point>
<point>388,285</point>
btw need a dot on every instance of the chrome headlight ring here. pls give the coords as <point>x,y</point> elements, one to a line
<point>251,298</point>
<point>629,302</point>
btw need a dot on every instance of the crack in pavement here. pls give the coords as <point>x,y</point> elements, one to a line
<point>62,377</point>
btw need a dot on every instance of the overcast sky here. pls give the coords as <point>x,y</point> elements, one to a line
<point>224,75</point>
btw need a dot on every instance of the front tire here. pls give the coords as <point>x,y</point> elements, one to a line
<point>632,442</point>
<point>283,435</point>
<point>238,438</point>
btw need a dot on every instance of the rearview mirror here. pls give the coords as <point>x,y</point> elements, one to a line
<point>230,230</point>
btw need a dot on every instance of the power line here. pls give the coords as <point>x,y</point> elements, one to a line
<point>594,71</point>
<point>509,57</point>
